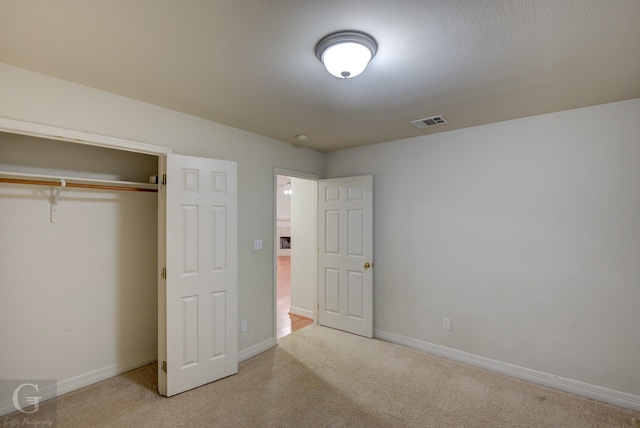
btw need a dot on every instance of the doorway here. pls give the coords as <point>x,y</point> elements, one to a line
<point>295,252</point>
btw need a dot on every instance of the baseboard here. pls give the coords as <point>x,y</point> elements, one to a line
<point>595,392</point>
<point>86,379</point>
<point>256,349</point>
<point>302,312</point>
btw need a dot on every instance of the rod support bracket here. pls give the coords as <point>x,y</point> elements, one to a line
<point>55,198</point>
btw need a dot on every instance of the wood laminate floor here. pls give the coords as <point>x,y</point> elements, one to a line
<point>286,322</point>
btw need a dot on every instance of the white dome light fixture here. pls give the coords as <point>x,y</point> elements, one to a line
<point>345,54</point>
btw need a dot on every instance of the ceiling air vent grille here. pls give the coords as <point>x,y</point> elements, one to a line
<point>429,121</point>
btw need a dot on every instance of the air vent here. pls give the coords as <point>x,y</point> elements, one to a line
<point>429,121</point>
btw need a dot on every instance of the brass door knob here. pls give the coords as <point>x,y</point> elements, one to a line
<point>367,265</point>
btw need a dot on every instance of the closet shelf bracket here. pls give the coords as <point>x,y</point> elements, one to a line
<point>55,198</point>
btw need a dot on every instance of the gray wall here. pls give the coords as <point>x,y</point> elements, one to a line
<point>526,234</point>
<point>304,249</point>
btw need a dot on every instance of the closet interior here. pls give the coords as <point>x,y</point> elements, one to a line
<point>78,260</point>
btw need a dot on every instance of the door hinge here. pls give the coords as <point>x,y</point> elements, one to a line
<point>164,179</point>
<point>164,366</point>
<point>164,273</point>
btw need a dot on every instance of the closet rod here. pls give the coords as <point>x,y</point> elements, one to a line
<point>79,185</point>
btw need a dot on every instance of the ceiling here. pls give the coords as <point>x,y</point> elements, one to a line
<point>251,63</point>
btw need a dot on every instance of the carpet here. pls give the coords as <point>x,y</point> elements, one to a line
<point>320,377</point>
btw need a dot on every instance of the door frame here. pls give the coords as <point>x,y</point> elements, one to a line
<point>296,174</point>
<point>55,133</point>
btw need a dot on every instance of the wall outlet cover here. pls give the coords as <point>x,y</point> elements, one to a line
<point>446,323</point>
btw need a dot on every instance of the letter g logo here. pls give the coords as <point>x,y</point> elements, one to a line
<point>31,400</point>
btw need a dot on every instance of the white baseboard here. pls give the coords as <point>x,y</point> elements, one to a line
<point>256,349</point>
<point>302,312</point>
<point>87,379</point>
<point>595,392</point>
<point>105,373</point>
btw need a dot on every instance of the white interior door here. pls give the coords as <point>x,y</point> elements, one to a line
<point>345,259</point>
<point>201,272</point>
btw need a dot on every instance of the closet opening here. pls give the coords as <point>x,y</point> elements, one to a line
<point>78,263</point>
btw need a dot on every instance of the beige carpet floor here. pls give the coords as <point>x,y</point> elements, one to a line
<point>319,377</point>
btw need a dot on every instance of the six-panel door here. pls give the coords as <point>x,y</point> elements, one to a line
<point>201,285</point>
<point>345,260</point>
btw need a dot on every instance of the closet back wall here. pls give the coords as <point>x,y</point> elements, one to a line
<point>78,297</point>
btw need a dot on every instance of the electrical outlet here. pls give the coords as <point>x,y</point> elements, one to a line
<point>257,244</point>
<point>446,323</point>
<point>243,326</point>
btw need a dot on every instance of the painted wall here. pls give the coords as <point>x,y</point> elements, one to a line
<point>304,248</point>
<point>526,234</point>
<point>45,100</point>
<point>78,295</point>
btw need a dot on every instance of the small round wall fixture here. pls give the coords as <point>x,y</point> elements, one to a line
<point>345,54</point>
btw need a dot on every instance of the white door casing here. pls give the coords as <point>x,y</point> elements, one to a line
<point>201,272</point>
<point>345,254</point>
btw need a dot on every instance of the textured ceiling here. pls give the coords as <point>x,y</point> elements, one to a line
<point>251,63</point>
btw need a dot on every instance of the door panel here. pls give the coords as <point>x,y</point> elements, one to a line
<point>356,295</point>
<point>201,283</point>
<point>332,232</point>
<point>356,239</point>
<point>345,230</point>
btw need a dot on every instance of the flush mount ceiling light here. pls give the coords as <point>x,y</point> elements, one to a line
<point>345,54</point>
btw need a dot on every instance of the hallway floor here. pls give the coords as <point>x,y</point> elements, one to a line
<point>286,323</point>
